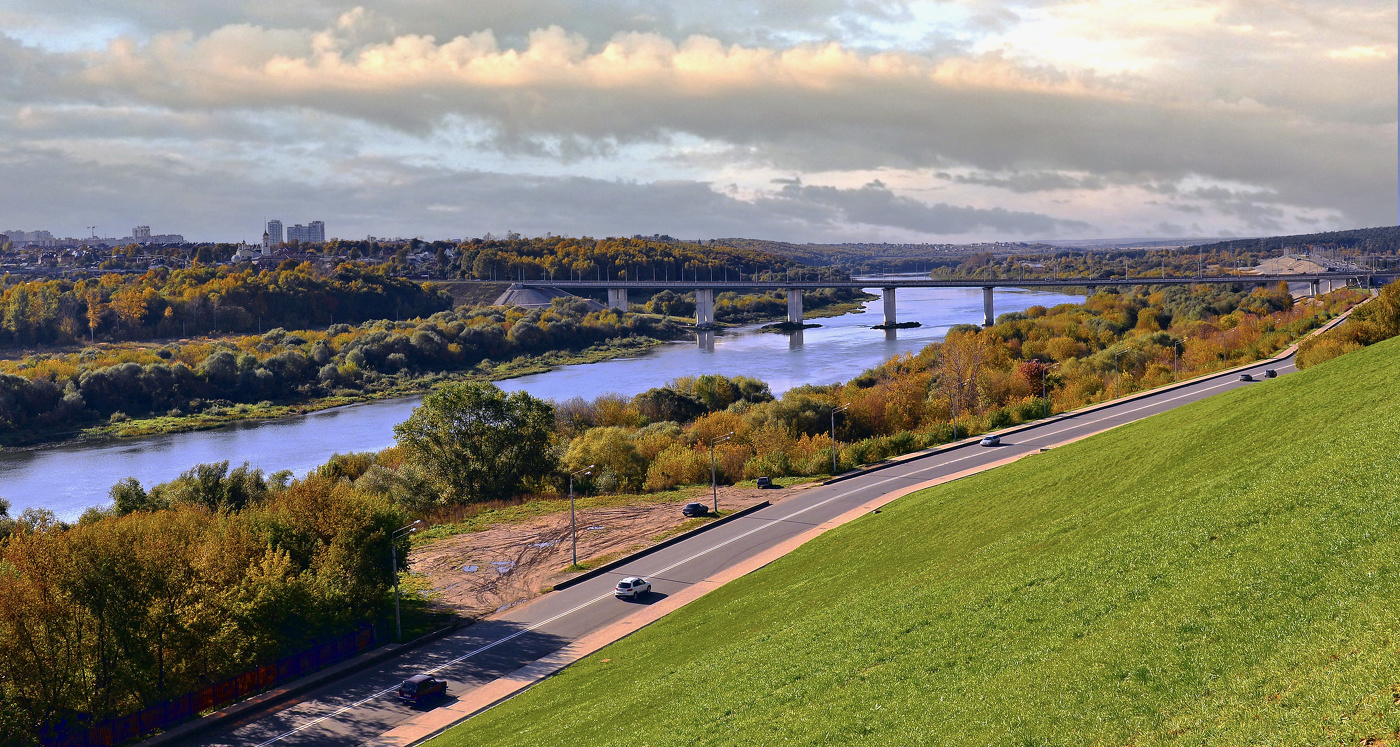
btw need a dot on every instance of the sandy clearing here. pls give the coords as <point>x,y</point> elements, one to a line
<point>481,573</point>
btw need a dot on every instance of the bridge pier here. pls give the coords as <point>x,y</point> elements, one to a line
<point>987,314</point>
<point>704,308</point>
<point>794,299</point>
<point>617,298</point>
<point>1313,287</point>
<point>1091,291</point>
<point>888,296</point>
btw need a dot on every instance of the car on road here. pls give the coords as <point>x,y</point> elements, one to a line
<point>991,441</point>
<point>1246,377</point>
<point>632,587</point>
<point>765,482</point>
<point>421,687</point>
<point>1270,373</point>
<point>695,509</point>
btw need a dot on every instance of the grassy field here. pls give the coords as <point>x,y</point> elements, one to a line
<point>1226,573</point>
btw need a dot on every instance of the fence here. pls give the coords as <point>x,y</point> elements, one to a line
<point>173,711</point>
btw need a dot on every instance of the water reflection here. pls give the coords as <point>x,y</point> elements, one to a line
<point>795,339</point>
<point>705,340</point>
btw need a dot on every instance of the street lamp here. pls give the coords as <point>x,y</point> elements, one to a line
<point>394,563</point>
<point>957,389</point>
<point>1116,375</point>
<point>714,484</point>
<point>573,520</point>
<point>842,408</point>
<point>1045,395</point>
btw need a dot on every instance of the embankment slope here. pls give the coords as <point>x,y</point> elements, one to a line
<point>1226,573</point>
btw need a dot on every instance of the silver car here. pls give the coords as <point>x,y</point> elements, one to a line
<point>632,587</point>
<point>991,441</point>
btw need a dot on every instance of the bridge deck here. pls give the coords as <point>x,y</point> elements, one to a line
<point>688,285</point>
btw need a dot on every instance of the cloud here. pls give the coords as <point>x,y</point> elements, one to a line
<point>1040,115</point>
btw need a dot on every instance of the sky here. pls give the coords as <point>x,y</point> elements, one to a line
<point>801,120</point>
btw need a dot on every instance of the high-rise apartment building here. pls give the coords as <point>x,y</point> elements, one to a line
<point>141,233</point>
<point>313,233</point>
<point>274,232</point>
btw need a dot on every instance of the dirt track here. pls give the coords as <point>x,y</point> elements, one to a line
<point>480,573</point>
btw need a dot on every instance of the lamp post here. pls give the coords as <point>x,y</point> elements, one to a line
<point>842,408</point>
<point>573,520</point>
<point>394,563</point>
<point>714,484</point>
<point>957,389</point>
<point>1116,375</point>
<point>1044,394</point>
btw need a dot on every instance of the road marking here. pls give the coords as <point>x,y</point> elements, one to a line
<point>766,525</point>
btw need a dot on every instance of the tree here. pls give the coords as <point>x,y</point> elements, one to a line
<point>477,443</point>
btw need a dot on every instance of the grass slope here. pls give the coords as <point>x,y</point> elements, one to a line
<point>1226,573</point>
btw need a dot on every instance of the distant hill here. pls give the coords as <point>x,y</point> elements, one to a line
<point>1382,240</point>
<point>858,258</point>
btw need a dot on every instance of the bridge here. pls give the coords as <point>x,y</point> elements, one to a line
<point>705,289</point>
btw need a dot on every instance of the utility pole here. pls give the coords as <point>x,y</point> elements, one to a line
<point>842,408</point>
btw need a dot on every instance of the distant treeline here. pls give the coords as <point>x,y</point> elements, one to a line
<point>50,393</point>
<point>563,258</point>
<point>203,300</point>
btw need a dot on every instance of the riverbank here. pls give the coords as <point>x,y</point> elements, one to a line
<point>219,413</point>
<point>220,416</point>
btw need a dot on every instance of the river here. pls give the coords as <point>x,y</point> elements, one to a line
<point>69,479</point>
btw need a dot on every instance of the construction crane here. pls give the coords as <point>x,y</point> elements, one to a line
<point>93,229</point>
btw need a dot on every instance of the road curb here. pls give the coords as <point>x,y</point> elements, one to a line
<point>224,716</point>
<point>662,545</point>
<point>1282,355</point>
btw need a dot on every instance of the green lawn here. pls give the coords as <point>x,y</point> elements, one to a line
<point>1225,573</point>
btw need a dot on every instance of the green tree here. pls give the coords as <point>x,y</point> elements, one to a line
<point>477,443</point>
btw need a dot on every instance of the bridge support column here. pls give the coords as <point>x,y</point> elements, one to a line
<point>1091,291</point>
<point>888,295</point>
<point>794,298</point>
<point>617,298</point>
<point>988,319</point>
<point>1313,287</point>
<point>704,308</point>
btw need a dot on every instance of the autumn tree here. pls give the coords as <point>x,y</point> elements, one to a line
<point>477,443</point>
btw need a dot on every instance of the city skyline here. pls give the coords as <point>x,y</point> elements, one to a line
<point>822,121</point>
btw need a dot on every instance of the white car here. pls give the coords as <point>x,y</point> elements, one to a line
<point>991,441</point>
<point>632,587</point>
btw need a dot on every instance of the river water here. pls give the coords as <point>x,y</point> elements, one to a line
<point>69,479</point>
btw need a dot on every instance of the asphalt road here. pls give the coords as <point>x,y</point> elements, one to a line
<point>362,706</point>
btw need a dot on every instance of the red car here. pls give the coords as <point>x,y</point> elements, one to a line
<point>421,687</point>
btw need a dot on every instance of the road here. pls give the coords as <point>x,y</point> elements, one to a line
<point>362,706</point>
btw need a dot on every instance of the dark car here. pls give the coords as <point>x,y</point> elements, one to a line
<point>765,482</point>
<point>1270,373</point>
<point>1246,377</point>
<point>421,687</point>
<point>695,509</point>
